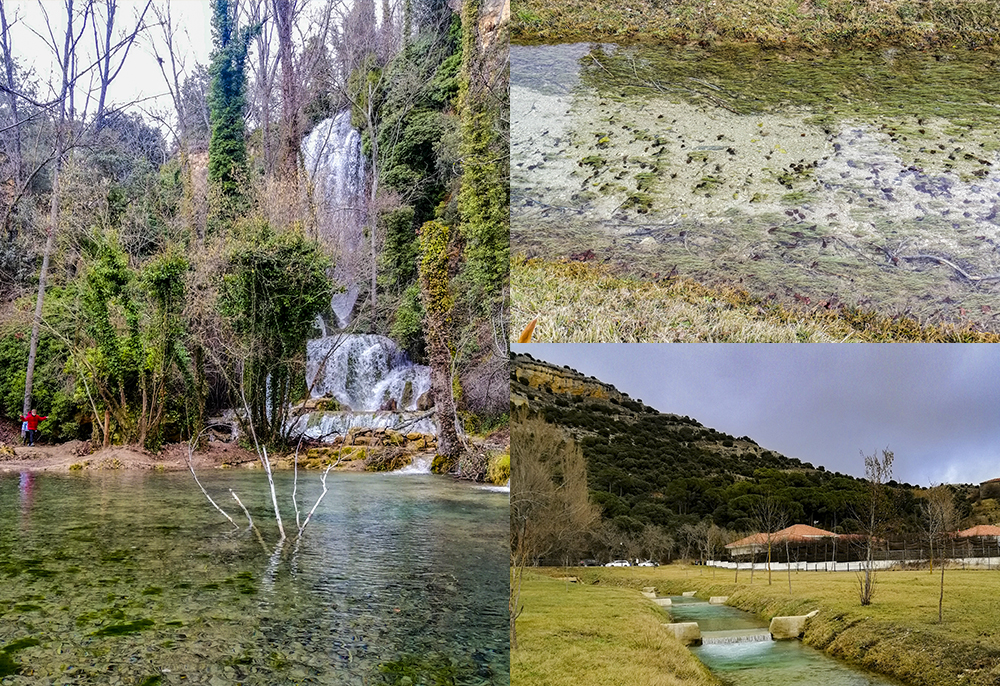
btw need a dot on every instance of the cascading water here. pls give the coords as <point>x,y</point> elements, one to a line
<point>334,161</point>
<point>374,382</point>
<point>365,372</point>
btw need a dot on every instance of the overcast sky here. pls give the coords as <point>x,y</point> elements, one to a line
<point>936,406</point>
<point>140,78</point>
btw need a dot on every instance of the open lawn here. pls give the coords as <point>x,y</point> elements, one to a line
<point>582,635</point>
<point>897,635</point>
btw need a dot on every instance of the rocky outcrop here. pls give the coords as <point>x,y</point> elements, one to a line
<point>528,373</point>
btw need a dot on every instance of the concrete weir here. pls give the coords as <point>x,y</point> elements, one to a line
<point>687,633</point>
<point>790,627</point>
<point>718,599</point>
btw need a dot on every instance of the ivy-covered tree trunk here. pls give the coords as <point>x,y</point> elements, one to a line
<point>437,264</point>
<point>484,199</point>
<point>227,153</point>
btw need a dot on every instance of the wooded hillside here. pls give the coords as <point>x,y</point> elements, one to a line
<point>159,265</point>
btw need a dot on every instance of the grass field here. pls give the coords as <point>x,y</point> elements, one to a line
<point>580,303</point>
<point>975,23</point>
<point>576,635</point>
<point>897,635</point>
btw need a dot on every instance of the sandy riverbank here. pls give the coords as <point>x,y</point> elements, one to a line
<point>74,456</point>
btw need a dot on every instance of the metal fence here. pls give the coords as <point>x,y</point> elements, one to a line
<point>839,554</point>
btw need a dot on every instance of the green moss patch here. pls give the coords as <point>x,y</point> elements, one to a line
<point>124,628</point>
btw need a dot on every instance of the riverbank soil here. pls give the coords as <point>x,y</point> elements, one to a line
<point>773,23</point>
<point>898,635</point>
<point>582,635</point>
<point>76,456</point>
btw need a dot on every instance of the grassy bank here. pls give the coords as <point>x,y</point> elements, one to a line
<point>581,635</point>
<point>898,635</point>
<point>974,23</point>
<point>581,303</point>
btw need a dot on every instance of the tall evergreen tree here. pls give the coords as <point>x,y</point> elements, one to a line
<point>227,152</point>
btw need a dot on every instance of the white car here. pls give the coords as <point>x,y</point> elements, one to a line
<point>619,563</point>
<point>648,563</point>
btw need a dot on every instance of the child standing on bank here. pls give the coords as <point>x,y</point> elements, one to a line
<point>31,422</point>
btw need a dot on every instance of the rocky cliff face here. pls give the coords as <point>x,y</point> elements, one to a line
<point>528,374</point>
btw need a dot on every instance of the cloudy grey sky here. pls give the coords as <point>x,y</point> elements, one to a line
<point>140,79</point>
<point>936,406</point>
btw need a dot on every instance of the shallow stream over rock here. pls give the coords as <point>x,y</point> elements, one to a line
<point>133,578</point>
<point>867,177</point>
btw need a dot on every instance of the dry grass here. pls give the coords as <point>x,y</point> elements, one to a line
<point>767,22</point>
<point>897,635</point>
<point>580,303</point>
<point>581,635</point>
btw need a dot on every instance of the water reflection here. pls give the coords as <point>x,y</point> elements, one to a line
<point>127,576</point>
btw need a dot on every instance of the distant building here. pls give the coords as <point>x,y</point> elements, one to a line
<point>797,533</point>
<point>980,530</point>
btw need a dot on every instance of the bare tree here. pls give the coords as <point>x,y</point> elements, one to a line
<point>769,517</point>
<point>549,500</point>
<point>940,517</point>
<point>67,77</point>
<point>285,12</point>
<point>172,66</point>
<point>874,516</point>
<point>112,49</point>
<point>67,53</point>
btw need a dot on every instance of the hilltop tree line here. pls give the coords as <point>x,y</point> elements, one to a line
<point>158,266</point>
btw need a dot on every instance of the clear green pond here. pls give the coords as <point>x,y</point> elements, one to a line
<point>839,176</point>
<point>133,578</point>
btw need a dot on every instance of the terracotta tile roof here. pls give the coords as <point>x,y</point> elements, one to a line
<point>796,532</point>
<point>980,530</point>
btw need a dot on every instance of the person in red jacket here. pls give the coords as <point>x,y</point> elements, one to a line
<point>32,419</point>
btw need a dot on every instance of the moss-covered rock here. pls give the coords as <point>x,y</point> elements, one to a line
<point>443,464</point>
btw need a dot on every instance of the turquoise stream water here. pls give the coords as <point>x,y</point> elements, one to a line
<point>764,663</point>
<point>132,578</point>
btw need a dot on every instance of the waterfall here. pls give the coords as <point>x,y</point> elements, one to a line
<point>421,465</point>
<point>333,159</point>
<point>365,373</point>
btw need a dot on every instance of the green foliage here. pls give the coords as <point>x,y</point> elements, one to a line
<point>52,390</point>
<point>407,325</point>
<point>498,471</point>
<point>273,287</point>
<point>399,256</point>
<point>227,153</point>
<point>484,199</point>
<point>662,469</point>
<point>435,268</point>
<point>134,348</point>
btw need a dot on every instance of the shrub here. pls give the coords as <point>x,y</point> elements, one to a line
<point>498,471</point>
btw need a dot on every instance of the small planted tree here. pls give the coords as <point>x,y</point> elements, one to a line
<point>768,517</point>
<point>875,516</point>
<point>940,517</point>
